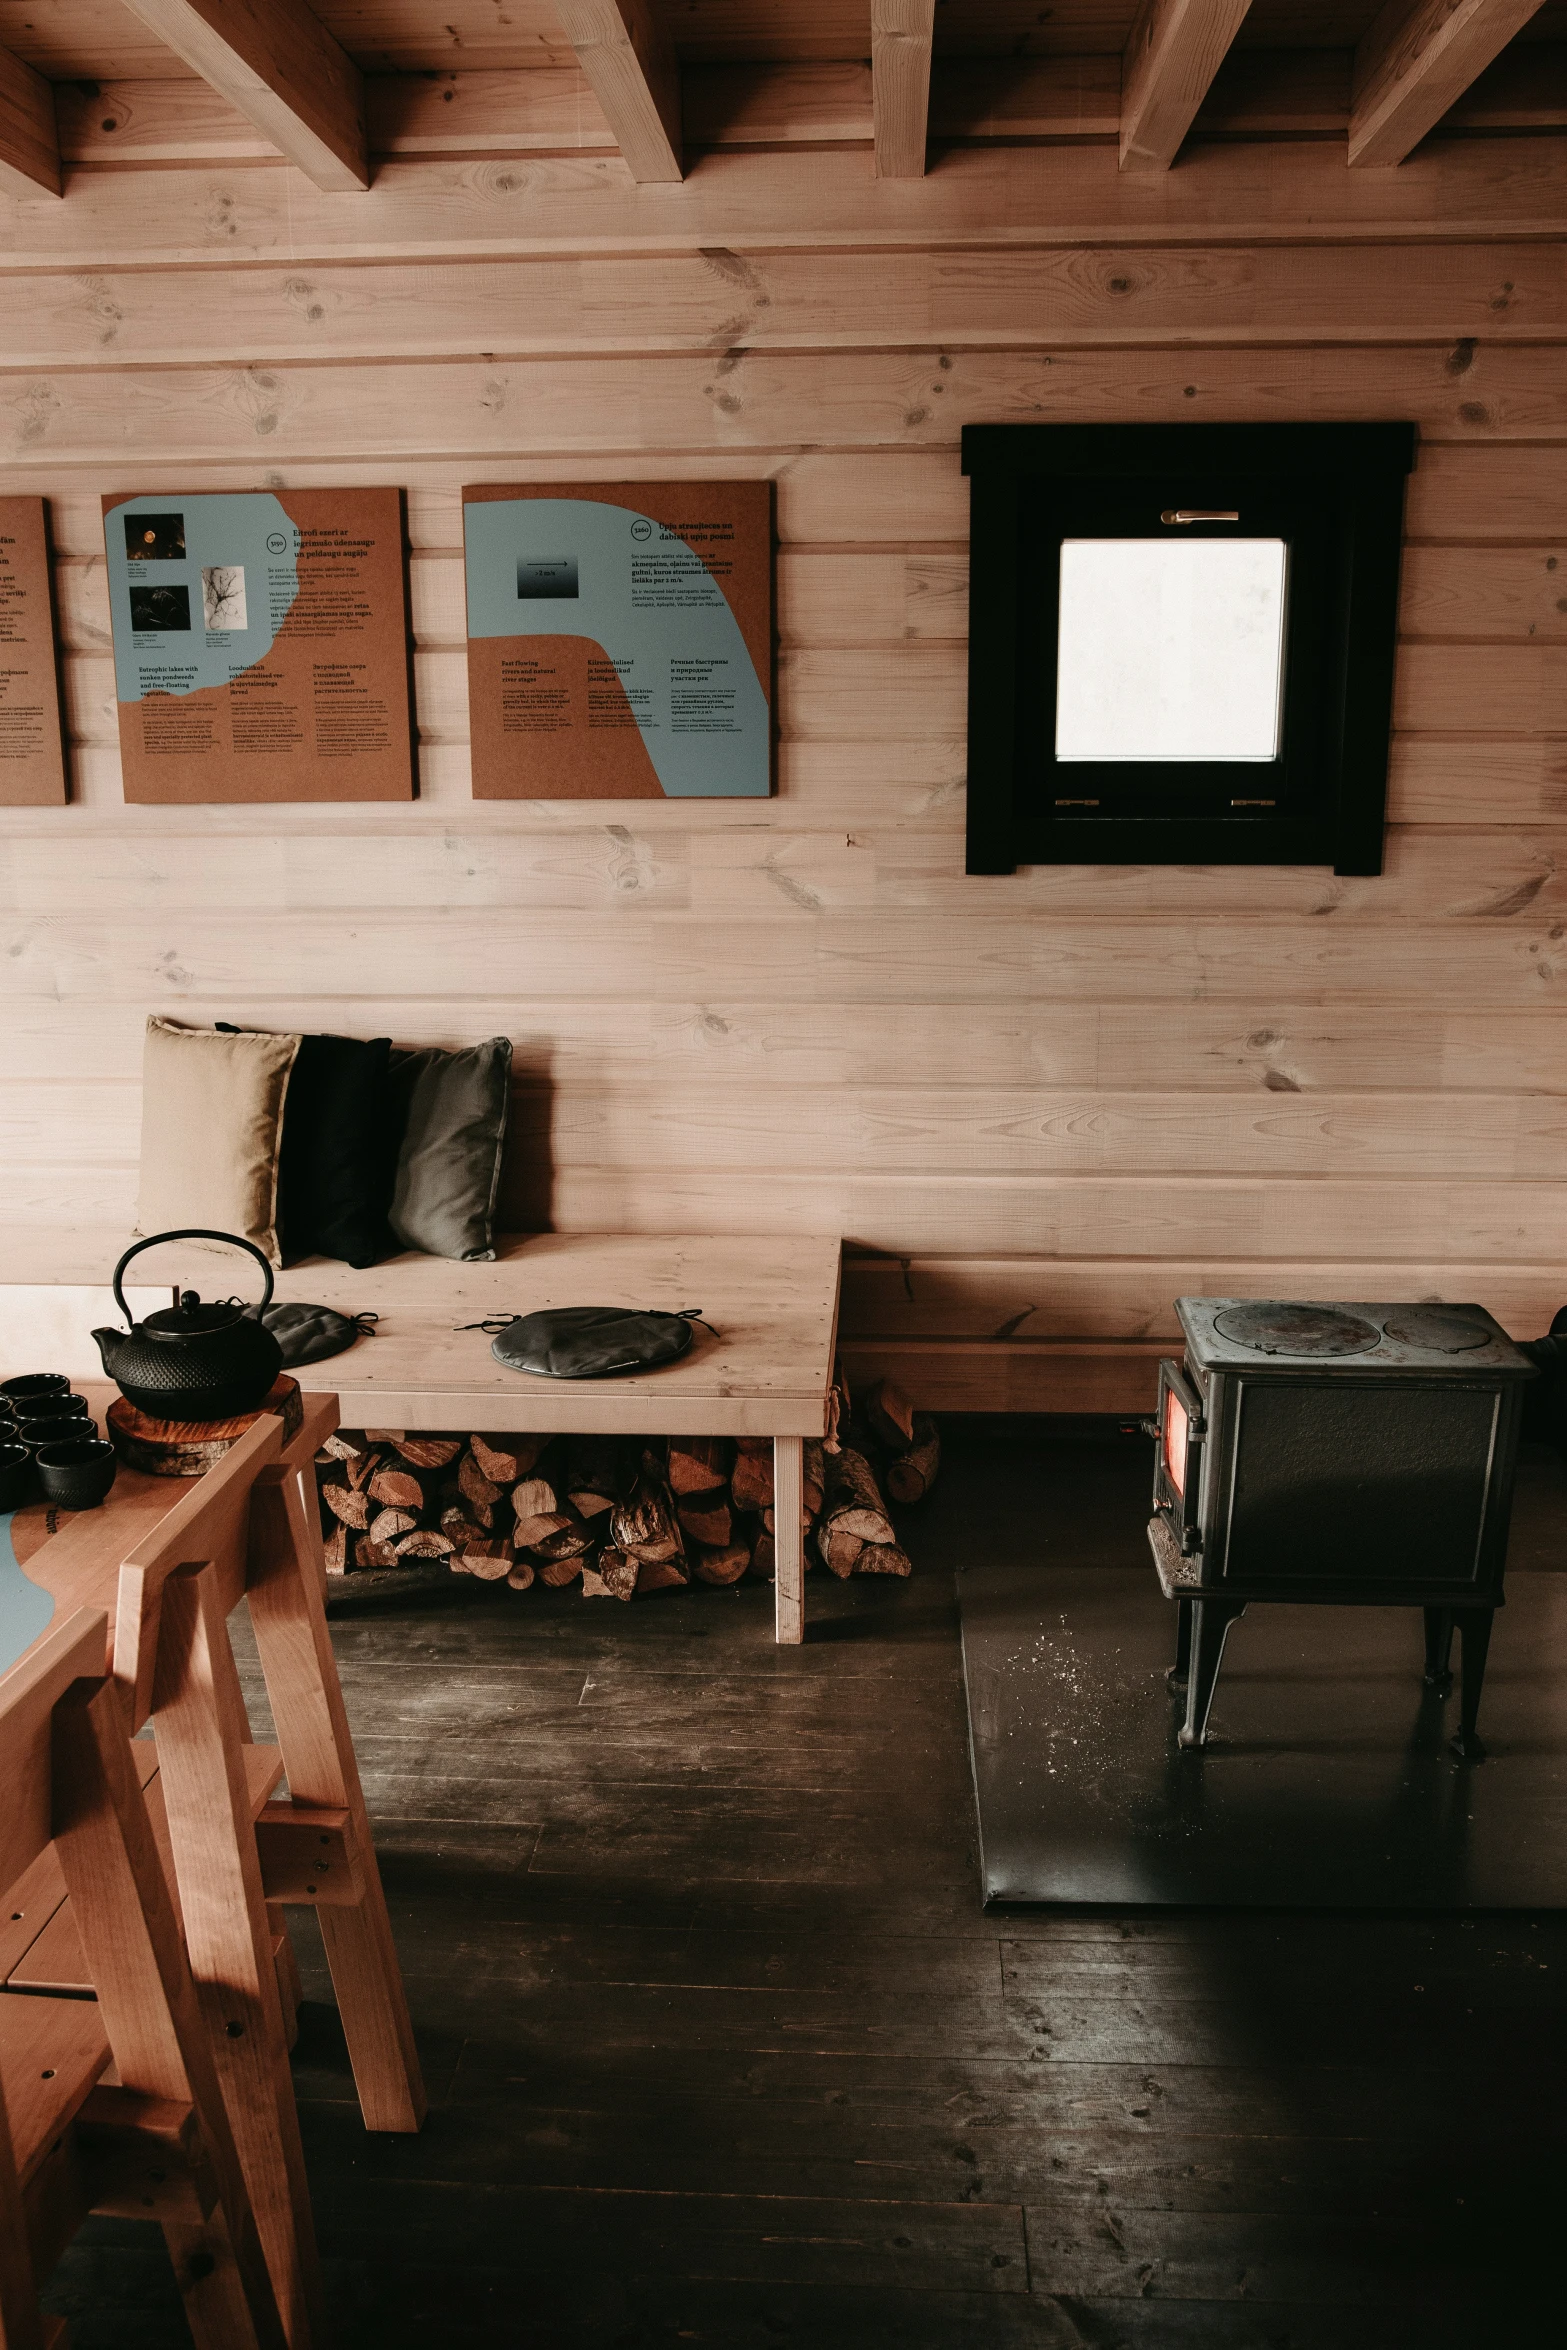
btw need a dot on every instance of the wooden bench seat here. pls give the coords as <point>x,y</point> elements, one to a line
<point>764,1367</point>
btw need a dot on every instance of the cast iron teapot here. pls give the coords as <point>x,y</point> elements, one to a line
<point>191,1361</point>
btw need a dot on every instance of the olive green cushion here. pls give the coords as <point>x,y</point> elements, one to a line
<point>452,1108</point>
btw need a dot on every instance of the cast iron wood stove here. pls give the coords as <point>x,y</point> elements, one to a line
<point>1343,1455</point>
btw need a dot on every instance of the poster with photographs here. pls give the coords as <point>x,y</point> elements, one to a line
<point>620,640</point>
<point>261,645</point>
<point>32,747</point>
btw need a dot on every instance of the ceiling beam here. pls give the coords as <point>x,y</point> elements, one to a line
<point>629,58</point>
<point>900,85</point>
<point>1176,48</point>
<point>280,68</point>
<point>1416,60</point>
<point>29,148</point>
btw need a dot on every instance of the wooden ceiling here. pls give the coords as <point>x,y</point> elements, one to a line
<point>300,78</point>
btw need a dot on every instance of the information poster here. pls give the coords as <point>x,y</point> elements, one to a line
<point>620,640</point>
<point>32,749</point>
<point>261,645</point>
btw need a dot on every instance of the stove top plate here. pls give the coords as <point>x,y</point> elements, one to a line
<point>1269,1328</point>
<point>1438,1330</point>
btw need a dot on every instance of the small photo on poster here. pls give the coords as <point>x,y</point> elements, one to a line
<point>547,576</point>
<point>154,608</point>
<point>155,538</point>
<point>223,595</point>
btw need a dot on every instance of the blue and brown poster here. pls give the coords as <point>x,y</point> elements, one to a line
<point>32,753</point>
<point>261,645</point>
<point>620,640</point>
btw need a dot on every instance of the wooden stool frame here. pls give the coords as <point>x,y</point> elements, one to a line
<point>250,1529</point>
<point>157,2143</point>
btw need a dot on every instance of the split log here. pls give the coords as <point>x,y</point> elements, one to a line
<point>348,1507</point>
<point>488,1561</point>
<point>699,1463</point>
<point>660,1575</point>
<point>520,1575</point>
<point>557,1573</point>
<point>424,1543</point>
<point>764,1558</point>
<point>912,1474</point>
<point>707,1517</point>
<point>645,1524</point>
<point>615,1576</point>
<point>480,1492</point>
<point>853,1502</point>
<point>752,1480</point>
<point>538,1513</point>
<point>373,1554</point>
<point>334,1549</point>
<point>890,1415</point>
<point>427,1452</point>
<point>505,1459</point>
<point>342,1445</point>
<point>587,1503</point>
<point>397,1489</point>
<point>882,1558</point>
<point>387,1525</point>
<point>570,1540</point>
<point>721,1564</point>
<point>840,1551</point>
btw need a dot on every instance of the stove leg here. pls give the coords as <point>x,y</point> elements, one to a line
<point>1211,1621</point>
<point>1439,1648</point>
<point>1475,1625</point>
<point>1176,1676</point>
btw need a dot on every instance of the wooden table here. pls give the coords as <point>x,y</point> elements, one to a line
<point>772,1302</point>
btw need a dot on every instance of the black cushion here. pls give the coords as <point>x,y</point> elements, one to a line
<point>339,1153</point>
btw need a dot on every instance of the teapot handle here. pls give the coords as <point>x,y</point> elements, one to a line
<point>190,1232</point>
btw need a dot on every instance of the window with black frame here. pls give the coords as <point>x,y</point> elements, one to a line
<point>1181,642</point>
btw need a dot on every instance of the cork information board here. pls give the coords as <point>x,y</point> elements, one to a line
<point>32,749</point>
<point>620,640</point>
<point>261,645</point>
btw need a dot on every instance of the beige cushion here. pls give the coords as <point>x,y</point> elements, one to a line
<point>211,1121</point>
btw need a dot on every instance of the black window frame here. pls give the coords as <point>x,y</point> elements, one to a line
<point>1335,493</point>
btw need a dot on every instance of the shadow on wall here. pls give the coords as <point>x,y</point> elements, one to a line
<point>527,1187</point>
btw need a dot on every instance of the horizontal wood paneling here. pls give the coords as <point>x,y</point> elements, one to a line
<point>766,409</point>
<point>1452,190</point>
<point>1045,1103</point>
<point>1285,297</point>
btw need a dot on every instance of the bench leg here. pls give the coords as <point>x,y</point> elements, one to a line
<point>201,1728</point>
<point>788,1540</point>
<point>288,1617</point>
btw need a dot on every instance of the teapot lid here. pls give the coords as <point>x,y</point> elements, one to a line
<point>188,1317</point>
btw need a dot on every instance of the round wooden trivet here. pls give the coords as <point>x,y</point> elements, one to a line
<point>187,1448</point>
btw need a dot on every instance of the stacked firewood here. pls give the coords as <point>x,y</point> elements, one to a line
<point>621,1515</point>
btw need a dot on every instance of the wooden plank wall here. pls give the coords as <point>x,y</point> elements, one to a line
<point>1036,1107</point>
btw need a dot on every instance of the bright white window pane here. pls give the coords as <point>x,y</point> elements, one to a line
<point>1170,649</point>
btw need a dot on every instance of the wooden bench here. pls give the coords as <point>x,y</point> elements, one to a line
<point>772,1301</point>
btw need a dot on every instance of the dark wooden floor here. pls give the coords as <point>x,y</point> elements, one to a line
<point>722,2049</point>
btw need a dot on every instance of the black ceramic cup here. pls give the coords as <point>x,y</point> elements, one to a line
<point>35,1391</point>
<point>54,1428</point>
<point>15,1463</point>
<point>77,1476</point>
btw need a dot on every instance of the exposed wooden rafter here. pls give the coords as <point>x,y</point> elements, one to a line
<point>901,32</point>
<point>29,149</point>
<point>627,55</point>
<point>1176,48</point>
<point>280,67</point>
<point>1417,59</point>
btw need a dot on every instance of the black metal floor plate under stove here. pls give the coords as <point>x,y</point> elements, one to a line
<point>1327,1782</point>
